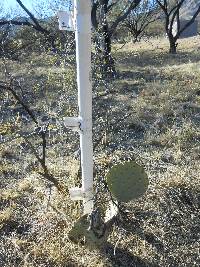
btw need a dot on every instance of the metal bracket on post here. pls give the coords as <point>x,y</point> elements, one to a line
<point>77,193</point>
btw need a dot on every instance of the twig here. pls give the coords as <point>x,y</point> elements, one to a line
<point>46,173</point>
<point>42,160</point>
<point>116,244</point>
<point>20,101</point>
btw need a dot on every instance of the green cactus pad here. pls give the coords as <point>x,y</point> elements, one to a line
<point>127,181</point>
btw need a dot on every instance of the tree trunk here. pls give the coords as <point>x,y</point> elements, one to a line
<point>105,46</point>
<point>109,66</point>
<point>173,45</point>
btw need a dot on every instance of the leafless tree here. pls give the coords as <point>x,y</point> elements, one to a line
<point>139,19</point>
<point>33,22</point>
<point>38,29</point>
<point>106,17</point>
<point>171,10</point>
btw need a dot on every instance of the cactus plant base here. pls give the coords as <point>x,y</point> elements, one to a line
<point>127,181</point>
<point>82,231</point>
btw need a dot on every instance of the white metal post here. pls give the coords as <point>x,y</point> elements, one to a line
<point>83,124</point>
<point>82,16</point>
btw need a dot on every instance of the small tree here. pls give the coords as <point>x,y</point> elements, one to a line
<point>141,17</point>
<point>32,22</point>
<point>106,16</point>
<point>31,32</point>
<point>171,10</point>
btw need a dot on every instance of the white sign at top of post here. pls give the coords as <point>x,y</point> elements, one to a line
<point>66,20</point>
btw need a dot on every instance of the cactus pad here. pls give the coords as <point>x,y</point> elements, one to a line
<point>81,230</point>
<point>127,181</point>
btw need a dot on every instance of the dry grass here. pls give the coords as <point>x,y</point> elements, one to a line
<point>160,94</point>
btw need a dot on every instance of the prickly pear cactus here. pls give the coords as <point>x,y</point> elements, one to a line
<point>127,181</point>
<point>94,235</point>
<point>79,229</point>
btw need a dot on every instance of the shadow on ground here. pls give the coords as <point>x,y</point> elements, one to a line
<point>155,59</point>
<point>122,258</point>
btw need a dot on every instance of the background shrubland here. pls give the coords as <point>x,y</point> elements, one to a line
<point>148,111</point>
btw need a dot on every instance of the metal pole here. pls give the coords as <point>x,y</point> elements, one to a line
<point>82,14</point>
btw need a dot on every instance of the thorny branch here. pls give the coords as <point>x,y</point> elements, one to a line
<point>35,24</point>
<point>42,160</point>
<point>10,88</point>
